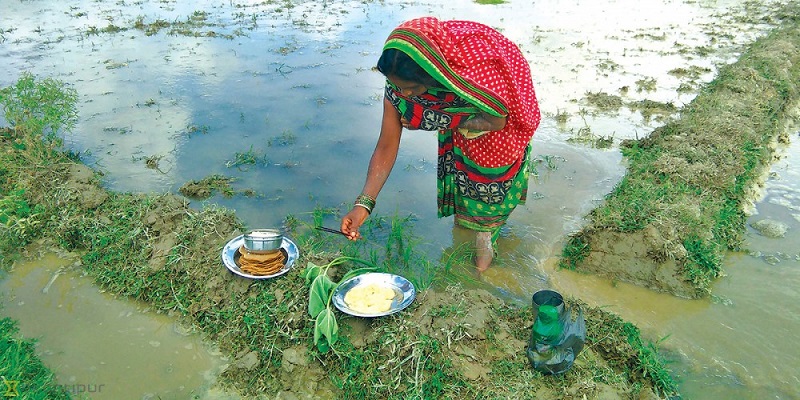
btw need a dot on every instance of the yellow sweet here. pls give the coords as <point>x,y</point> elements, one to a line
<point>371,298</point>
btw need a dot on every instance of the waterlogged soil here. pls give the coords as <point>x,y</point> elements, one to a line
<point>264,329</point>
<point>708,149</point>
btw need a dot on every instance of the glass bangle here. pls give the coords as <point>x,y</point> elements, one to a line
<point>365,201</point>
<point>369,210</point>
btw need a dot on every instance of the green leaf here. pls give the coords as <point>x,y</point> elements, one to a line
<point>343,259</point>
<point>326,327</point>
<point>323,347</point>
<point>357,271</point>
<point>311,272</point>
<point>319,293</point>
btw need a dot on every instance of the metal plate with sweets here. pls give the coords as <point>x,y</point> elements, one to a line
<point>230,257</point>
<point>403,289</point>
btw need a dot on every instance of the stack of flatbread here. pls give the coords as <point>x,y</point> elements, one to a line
<point>260,264</point>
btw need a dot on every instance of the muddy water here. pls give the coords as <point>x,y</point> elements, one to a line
<point>292,90</point>
<point>102,347</point>
<point>742,343</point>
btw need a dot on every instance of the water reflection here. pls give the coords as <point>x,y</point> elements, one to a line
<point>291,82</point>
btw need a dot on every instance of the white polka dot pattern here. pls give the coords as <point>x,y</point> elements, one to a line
<point>491,62</point>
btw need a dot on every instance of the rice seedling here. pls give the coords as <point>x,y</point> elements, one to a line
<point>286,138</point>
<point>561,117</point>
<point>243,159</point>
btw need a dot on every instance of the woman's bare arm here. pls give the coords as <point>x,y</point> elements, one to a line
<point>380,166</point>
<point>385,154</point>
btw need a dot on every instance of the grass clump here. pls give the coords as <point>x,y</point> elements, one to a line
<point>649,109</point>
<point>206,187</point>
<point>21,372</point>
<point>245,159</point>
<point>627,339</point>
<point>604,102</point>
<point>682,202</point>
<point>36,110</point>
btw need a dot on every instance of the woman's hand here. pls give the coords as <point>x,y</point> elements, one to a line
<point>352,221</point>
<point>483,122</point>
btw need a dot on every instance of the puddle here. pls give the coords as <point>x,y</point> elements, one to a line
<point>102,347</point>
<point>295,91</point>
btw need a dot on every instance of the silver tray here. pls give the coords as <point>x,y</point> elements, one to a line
<point>404,292</point>
<point>230,255</point>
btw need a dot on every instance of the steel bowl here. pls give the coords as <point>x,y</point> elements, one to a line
<point>232,251</point>
<point>263,240</point>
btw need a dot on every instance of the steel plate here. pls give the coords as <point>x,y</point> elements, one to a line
<point>404,292</point>
<point>230,255</point>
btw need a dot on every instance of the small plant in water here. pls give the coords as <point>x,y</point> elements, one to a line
<point>284,139</point>
<point>646,85</point>
<point>562,117</point>
<point>192,128</point>
<point>249,157</point>
<point>151,162</point>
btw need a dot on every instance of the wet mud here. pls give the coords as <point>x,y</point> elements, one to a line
<point>669,223</point>
<point>170,260</point>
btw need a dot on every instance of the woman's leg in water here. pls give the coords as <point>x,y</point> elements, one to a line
<point>484,253</point>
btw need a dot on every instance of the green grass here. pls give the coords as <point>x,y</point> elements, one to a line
<point>36,111</point>
<point>208,186</point>
<point>627,339</point>
<point>19,224</point>
<point>690,179</point>
<point>22,374</point>
<point>247,158</point>
<point>574,252</point>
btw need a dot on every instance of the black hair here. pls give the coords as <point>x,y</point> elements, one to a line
<point>397,63</point>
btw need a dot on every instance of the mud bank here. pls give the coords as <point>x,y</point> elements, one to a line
<point>158,249</point>
<point>690,183</point>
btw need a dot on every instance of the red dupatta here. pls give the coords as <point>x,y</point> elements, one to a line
<point>486,69</point>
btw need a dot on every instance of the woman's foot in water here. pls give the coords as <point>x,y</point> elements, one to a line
<point>484,253</point>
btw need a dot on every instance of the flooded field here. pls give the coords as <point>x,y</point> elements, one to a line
<point>282,98</point>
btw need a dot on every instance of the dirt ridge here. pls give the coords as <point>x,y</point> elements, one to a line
<point>684,200</point>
